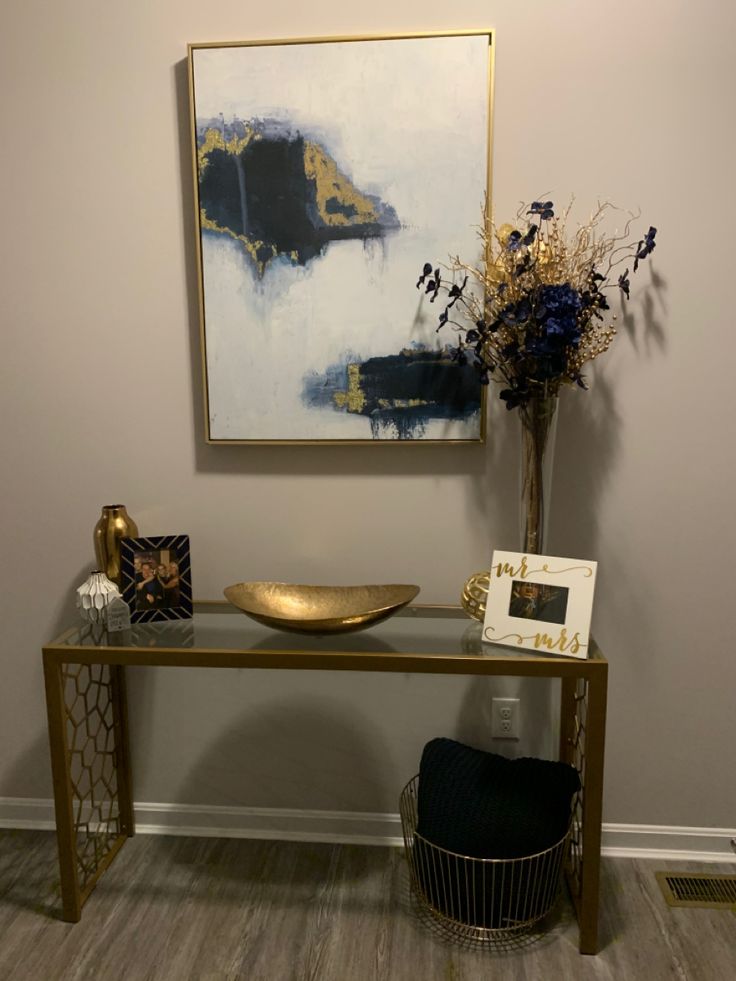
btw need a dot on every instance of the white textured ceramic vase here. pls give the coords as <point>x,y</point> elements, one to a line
<point>94,595</point>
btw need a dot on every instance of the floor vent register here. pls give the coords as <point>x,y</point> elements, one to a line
<point>695,889</point>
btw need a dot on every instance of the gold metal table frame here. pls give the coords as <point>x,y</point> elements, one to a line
<point>84,672</point>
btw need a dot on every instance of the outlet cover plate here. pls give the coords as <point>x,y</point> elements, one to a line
<point>505,718</point>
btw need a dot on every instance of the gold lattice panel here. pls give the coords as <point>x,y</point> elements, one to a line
<point>90,726</point>
<point>577,758</point>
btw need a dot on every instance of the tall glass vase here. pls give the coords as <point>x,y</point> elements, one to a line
<point>538,431</point>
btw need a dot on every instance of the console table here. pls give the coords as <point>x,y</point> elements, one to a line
<point>84,671</point>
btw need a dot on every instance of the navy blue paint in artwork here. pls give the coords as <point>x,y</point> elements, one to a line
<point>335,207</point>
<point>264,194</point>
<point>219,192</point>
<point>280,199</point>
<point>388,384</point>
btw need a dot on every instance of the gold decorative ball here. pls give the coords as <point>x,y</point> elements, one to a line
<point>475,595</point>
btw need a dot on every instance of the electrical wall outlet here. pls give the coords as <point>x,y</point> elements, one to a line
<point>505,718</point>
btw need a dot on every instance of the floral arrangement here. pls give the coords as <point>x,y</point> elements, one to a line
<point>538,312</point>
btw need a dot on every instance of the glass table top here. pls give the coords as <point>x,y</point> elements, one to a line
<point>422,630</point>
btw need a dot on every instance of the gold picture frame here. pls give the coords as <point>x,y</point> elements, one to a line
<point>327,171</point>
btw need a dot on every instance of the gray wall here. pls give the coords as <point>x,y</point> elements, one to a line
<point>101,401</point>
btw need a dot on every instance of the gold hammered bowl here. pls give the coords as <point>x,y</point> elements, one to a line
<point>319,609</point>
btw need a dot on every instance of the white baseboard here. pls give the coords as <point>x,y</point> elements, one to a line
<point>28,813</point>
<point>663,842</point>
<point>341,827</point>
<point>358,828</point>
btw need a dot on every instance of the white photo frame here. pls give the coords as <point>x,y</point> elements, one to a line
<point>542,603</point>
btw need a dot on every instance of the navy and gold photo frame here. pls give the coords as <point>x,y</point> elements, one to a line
<point>314,214</point>
<point>156,578</point>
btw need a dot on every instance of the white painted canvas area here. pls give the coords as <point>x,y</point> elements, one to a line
<point>406,119</point>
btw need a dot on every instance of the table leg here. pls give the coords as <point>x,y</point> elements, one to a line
<point>122,749</point>
<point>88,735</point>
<point>595,729</point>
<point>63,795</point>
<point>567,719</point>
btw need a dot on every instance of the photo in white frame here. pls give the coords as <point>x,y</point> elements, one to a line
<point>541,603</point>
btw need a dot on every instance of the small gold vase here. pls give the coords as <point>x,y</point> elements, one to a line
<point>115,523</point>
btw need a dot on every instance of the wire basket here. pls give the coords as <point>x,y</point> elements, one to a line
<point>482,900</point>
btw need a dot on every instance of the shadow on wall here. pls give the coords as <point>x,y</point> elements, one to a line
<point>303,752</point>
<point>29,774</point>
<point>590,440</point>
<point>67,614</point>
<point>647,333</point>
<point>589,437</point>
<point>539,716</point>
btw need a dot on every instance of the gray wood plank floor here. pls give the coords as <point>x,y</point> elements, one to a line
<point>174,909</point>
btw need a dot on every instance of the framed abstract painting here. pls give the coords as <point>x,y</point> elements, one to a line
<point>327,172</point>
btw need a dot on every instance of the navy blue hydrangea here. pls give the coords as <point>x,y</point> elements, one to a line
<point>556,327</point>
